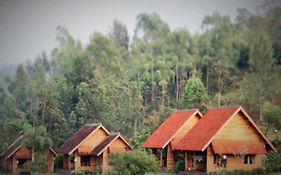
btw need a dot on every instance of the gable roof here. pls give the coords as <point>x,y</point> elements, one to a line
<point>13,147</point>
<point>168,129</point>
<point>16,145</point>
<point>202,134</point>
<point>104,144</point>
<point>75,140</point>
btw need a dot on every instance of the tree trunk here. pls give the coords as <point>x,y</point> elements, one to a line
<point>219,88</point>
<point>163,98</point>
<point>177,84</point>
<point>207,78</point>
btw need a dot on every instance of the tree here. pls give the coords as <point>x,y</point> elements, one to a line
<point>195,95</point>
<point>38,141</point>
<point>119,35</point>
<point>272,117</point>
<point>261,66</point>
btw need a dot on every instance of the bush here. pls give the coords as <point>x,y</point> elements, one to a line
<point>273,162</point>
<point>132,163</point>
<point>81,172</point>
<point>179,166</point>
<point>39,164</point>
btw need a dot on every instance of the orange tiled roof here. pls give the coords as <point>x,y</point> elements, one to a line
<point>241,147</point>
<point>165,132</point>
<point>206,128</point>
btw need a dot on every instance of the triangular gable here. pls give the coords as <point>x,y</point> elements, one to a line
<point>161,137</point>
<point>16,145</point>
<point>257,129</point>
<point>72,143</point>
<point>107,142</point>
<point>203,133</point>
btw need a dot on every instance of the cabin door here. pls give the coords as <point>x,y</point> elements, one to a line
<point>195,161</point>
<point>199,161</point>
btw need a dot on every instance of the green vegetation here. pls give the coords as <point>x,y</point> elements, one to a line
<point>132,163</point>
<point>131,87</point>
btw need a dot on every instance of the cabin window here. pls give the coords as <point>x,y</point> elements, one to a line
<point>248,159</point>
<point>21,162</point>
<point>85,160</point>
<point>217,159</point>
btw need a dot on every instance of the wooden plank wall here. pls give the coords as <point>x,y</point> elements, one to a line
<point>233,163</point>
<point>170,158</point>
<point>238,128</point>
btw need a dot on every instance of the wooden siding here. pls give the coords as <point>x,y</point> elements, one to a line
<point>238,128</point>
<point>66,162</point>
<point>118,146</point>
<point>51,157</point>
<point>170,158</point>
<point>105,166</point>
<point>95,139</point>
<point>233,163</point>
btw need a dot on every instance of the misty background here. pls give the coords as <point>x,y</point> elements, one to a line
<point>29,27</point>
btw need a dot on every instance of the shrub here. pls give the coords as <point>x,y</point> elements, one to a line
<point>81,172</point>
<point>39,164</point>
<point>132,163</point>
<point>179,166</point>
<point>273,162</point>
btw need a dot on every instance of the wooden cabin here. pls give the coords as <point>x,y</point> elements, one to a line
<point>225,138</point>
<point>90,147</point>
<point>15,157</point>
<point>171,131</point>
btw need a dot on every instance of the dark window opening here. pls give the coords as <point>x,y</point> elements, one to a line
<point>21,162</point>
<point>248,159</point>
<point>217,160</point>
<point>85,160</point>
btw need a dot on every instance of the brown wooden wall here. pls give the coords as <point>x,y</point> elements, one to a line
<point>51,157</point>
<point>233,163</point>
<point>238,128</point>
<point>170,158</point>
<point>95,139</point>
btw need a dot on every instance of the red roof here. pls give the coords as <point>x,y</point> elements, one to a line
<point>77,138</point>
<point>241,147</point>
<point>197,138</point>
<point>168,129</point>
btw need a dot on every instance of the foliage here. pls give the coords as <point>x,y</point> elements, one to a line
<point>179,166</point>
<point>39,163</point>
<point>271,114</point>
<point>132,163</point>
<point>131,86</point>
<point>81,172</point>
<point>273,162</point>
<point>195,95</point>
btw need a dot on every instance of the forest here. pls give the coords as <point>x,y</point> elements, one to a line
<point>130,84</point>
